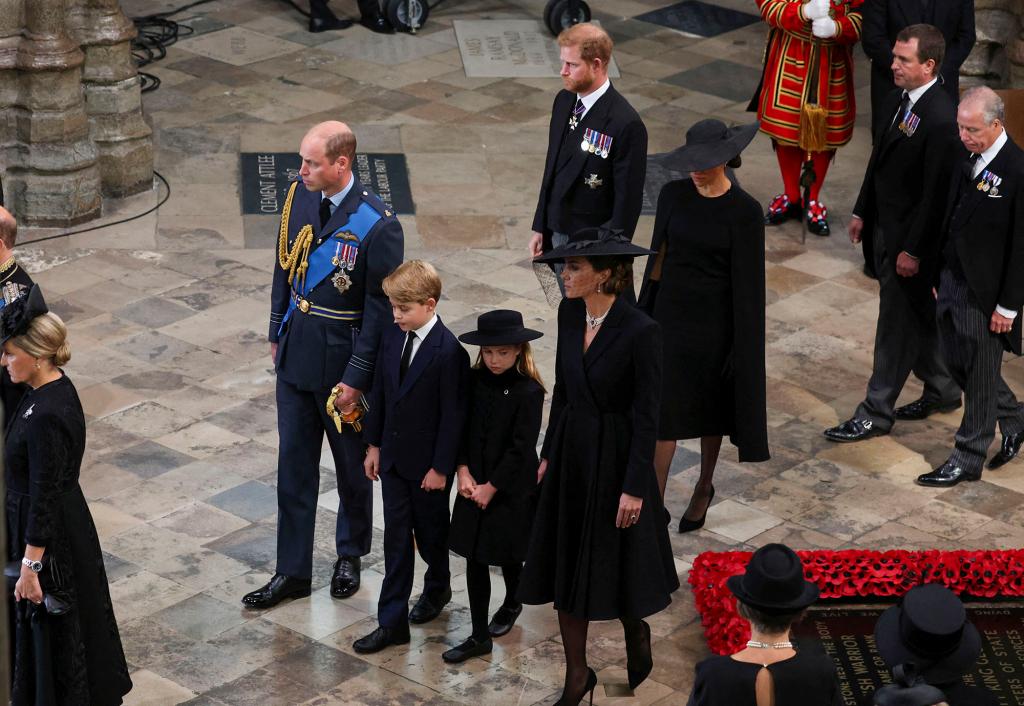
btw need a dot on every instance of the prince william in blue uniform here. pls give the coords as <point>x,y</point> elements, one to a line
<point>337,243</point>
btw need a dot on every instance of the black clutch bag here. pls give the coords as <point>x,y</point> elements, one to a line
<point>55,600</point>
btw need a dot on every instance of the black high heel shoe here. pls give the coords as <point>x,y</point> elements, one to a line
<point>639,661</point>
<point>588,688</point>
<point>686,525</point>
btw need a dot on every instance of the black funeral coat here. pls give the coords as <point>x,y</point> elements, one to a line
<point>500,447</point>
<point>600,444</point>
<point>76,658</point>
<point>710,303</point>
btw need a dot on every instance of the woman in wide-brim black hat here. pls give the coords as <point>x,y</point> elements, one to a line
<point>496,472</point>
<point>771,595</point>
<point>705,286</point>
<point>600,549</point>
<point>929,629</point>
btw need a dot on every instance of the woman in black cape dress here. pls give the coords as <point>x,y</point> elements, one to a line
<point>706,289</point>
<point>66,649</point>
<point>587,557</point>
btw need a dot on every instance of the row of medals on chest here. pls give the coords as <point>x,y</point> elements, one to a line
<point>345,259</point>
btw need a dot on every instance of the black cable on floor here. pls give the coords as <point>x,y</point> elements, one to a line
<point>160,203</point>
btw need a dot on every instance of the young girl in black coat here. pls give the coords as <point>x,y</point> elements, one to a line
<point>497,472</point>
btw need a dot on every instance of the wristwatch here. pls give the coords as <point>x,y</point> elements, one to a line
<point>36,566</point>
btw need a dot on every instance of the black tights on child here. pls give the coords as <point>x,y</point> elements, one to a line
<point>478,582</point>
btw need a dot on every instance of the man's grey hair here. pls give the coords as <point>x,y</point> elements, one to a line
<point>992,107</point>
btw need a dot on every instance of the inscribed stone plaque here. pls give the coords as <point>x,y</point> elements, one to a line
<point>699,19</point>
<point>510,49</point>
<point>847,636</point>
<point>239,46</point>
<point>266,177</point>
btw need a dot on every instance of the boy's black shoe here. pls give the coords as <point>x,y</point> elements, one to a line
<point>429,607</point>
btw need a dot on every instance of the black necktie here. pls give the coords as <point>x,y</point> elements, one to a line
<point>403,367</point>
<point>969,166</point>
<point>901,112</point>
<point>325,212</point>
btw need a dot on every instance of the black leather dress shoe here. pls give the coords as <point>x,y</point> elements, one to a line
<point>277,589</point>
<point>922,409</point>
<point>378,24</point>
<point>946,476</point>
<point>380,638</point>
<point>345,580</point>
<point>1008,451</point>
<point>504,619</point>
<point>854,430</point>
<point>429,607</point>
<point>473,647</point>
<point>326,24</point>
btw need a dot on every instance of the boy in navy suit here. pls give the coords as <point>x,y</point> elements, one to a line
<point>416,411</point>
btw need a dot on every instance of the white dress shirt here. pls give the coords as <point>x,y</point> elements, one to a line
<point>591,98</point>
<point>421,333</point>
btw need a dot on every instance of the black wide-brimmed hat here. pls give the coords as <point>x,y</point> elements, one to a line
<point>594,242</point>
<point>16,316</point>
<point>774,582</point>
<point>908,689</point>
<point>929,627</point>
<point>501,327</point>
<point>708,144</point>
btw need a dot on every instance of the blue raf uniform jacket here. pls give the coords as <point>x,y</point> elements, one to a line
<point>326,336</point>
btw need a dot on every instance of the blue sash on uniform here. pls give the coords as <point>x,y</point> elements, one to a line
<point>321,260</point>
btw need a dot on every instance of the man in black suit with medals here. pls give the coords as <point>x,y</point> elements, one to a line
<point>883,20</point>
<point>14,283</point>
<point>899,208</point>
<point>597,148</point>
<point>981,287</point>
<point>337,243</point>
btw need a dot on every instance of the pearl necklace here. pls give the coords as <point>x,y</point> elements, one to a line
<point>595,321</point>
<point>769,645</point>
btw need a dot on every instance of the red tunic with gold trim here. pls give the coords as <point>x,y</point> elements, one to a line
<point>789,51</point>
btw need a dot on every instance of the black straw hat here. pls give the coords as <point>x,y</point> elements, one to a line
<point>929,627</point>
<point>16,316</point>
<point>594,242</point>
<point>708,143</point>
<point>501,327</point>
<point>774,582</point>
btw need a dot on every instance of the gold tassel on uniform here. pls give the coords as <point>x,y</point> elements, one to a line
<point>813,115</point>
<point>295,260</point>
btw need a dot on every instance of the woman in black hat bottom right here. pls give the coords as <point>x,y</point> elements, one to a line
<point>705,286</point>
<point>772,595</point>
<point>929,629</point>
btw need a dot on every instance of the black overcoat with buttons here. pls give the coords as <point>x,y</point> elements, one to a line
<point>500,447</point>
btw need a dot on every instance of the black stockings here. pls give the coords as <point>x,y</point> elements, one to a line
<point>478,583</point>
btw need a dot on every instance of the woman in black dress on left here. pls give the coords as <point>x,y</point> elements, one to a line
<point>64,637</point>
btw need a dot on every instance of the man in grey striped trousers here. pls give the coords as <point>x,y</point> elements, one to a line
<point>981,287</point>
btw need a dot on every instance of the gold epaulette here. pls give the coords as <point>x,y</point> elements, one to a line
<point>297,258</point>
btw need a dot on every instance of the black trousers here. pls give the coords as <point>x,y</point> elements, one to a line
<point>975,358</point>
<point>302,422</point>
<point>414,519</point>
<point>906,340</point>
